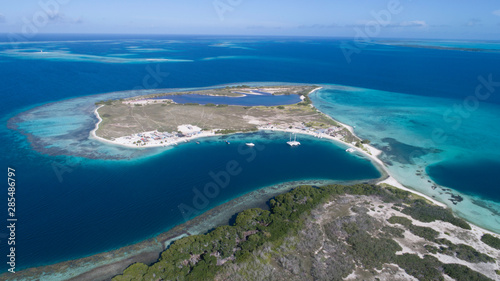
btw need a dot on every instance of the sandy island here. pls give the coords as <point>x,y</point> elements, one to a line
<point>367,151</point>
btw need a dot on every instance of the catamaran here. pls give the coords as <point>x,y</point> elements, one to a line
<point>294,142</point>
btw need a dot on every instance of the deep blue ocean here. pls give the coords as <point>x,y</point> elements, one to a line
<point>76,197</point>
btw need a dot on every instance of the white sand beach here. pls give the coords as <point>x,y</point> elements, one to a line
<point>366,150</point>
<point>127,141</point>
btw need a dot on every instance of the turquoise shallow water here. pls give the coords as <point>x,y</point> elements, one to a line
<point>419,135</point>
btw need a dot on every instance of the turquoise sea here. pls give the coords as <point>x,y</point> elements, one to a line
<point>77,196</point>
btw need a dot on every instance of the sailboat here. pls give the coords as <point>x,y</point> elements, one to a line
<point>294,142</point>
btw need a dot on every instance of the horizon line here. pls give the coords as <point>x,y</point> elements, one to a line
<point>6,34</point>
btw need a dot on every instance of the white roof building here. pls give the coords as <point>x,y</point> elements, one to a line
<point>188,129</point>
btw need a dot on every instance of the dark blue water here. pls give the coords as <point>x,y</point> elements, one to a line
<point>70,207</point>
<point>103,205</point>
<point>248,100</point>
<point>480,177</point>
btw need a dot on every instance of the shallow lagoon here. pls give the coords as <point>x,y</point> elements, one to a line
<point>464,158</point>
<point>264,99</point>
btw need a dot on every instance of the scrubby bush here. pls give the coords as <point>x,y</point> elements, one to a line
<point>462,251</point>
<point>400,220</point>
<point>373,252</point>
<point>196,257</point>
<point>425,232</point>
<point>424,212</point>
<point>424,269</point>
<point>463,273</point>
<point>491,240</point>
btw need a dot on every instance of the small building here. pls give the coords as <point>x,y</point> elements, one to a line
<point>188,129</point>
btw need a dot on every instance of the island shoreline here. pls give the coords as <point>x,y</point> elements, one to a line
<point>147,254</point>
<point>105,265</point>
<point>372,155</point>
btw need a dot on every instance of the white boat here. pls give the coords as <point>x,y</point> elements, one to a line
<point>294,142</point>
<point>350,149</point>
<point>250,144</point>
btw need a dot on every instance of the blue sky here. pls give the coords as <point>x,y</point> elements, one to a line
<point>446,19</point>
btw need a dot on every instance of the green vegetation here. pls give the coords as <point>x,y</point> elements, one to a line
<point>400,220</point>
<point>105,102</point>
<point>193,257</point>
<point>306,101</point>
<point>431,249</point>
<point>425,232</point>
<point>429,268</point>
<point>393,232</point>
<point>226,131</point>
<point>462,251</point>
<point>463,273</point>
<point>373,252</point>
<point>259,238</point>
<point>134,272</point>
<point>422,269</point>
<point>424,212</point>
<point>348,136</point>
<point>230,131</point>
<point>491,241</point>
<point>422,231</point>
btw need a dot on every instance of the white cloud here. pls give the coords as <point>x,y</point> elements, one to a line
<point>62,18</point>
<point>496,13</point>
<point>413,23</point>
<point>473,22</point>
<point>2,18</point>
<point>319,26</point>
<point>361,24</point>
